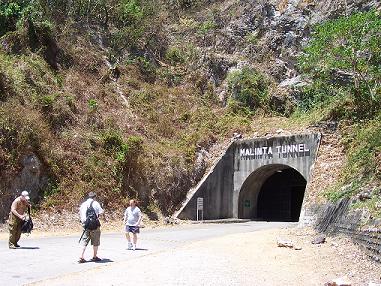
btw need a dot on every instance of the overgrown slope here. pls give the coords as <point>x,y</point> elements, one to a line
<point>126,98</point>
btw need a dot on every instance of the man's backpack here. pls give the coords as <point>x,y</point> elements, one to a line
<point>92,221</point>
<point>27,225</point>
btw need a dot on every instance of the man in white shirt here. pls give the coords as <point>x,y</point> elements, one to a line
<point>132,219</point>
<point>92,235</point>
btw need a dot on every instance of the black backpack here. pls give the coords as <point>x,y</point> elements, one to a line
<point>92,221</point>
<point>27,225</point>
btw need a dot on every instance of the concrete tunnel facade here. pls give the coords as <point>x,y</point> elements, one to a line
<point>259,179</point>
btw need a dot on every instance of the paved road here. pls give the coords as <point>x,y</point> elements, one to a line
<point>44,258</point>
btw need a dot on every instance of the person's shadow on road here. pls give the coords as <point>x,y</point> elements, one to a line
<point>28,247</point>
<point>137,249</point>
<point>104,260</point>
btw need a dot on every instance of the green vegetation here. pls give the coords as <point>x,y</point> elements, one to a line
<point>343,59</point>
<point>249,88</point>
<point>93,104</point>
<point>363,145</point>
<point>62,102</point>
<point>175,56</point>
<point>76,123</point>
<point>205,27</point>
<point>252,38</point>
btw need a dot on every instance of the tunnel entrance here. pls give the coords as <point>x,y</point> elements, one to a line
<point>272,193</point>
<point>281,196</point>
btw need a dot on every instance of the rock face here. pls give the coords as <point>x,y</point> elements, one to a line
<point>32,178</point>
<point>267,35</point>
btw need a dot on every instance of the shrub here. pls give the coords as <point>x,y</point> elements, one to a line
<point>130,12</point>
<point>93,104</point>
<point>364,151</point>
<point>252,38</point>
<point>175,56</point>
<point>345,54</point>
<point>48,100</point>
<point>112,140</point>
<point>9,15</point>
<point>206,26</point>
<point>248,87</point>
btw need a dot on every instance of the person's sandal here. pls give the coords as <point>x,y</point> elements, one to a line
<point>95,259</point>
<point>81,260</point>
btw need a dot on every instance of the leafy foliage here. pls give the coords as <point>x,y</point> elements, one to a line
<point>344,56</point>
<point>363,167</point>
<point>248,87</point>
<point>364,151</point>
<point>175,56</point>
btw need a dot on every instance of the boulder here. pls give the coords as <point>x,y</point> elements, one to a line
<point>318,240</point>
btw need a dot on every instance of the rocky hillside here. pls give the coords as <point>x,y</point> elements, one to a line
<point>132,98</point>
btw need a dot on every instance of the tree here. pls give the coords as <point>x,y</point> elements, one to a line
<point>349,46</point>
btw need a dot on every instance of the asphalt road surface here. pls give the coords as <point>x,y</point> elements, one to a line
<point>40,259</point>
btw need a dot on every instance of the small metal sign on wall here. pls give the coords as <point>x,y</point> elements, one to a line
<point>200,208</point>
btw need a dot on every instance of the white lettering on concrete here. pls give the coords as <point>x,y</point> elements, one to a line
<point>283,151</point>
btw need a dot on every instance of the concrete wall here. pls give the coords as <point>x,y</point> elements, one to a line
<point>358,224</point>
<point>216,191</point>
<point>245,165</point>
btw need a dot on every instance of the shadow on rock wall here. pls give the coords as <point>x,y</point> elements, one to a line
<point>32,178</point>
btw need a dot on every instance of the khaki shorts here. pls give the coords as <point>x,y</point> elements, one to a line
<point>92,235</point>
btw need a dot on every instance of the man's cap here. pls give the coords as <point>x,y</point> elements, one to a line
<point>25,194</point>
<point>92,195</point>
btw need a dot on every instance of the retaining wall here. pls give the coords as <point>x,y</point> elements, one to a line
<point>357,224</point>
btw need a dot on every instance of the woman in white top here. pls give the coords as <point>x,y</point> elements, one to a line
<point>132,220</point>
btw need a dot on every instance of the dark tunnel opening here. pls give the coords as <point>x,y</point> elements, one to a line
<point>281,196</point>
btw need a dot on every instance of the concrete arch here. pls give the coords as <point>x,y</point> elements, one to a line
<point>259,200</point>
<point>247,163</point>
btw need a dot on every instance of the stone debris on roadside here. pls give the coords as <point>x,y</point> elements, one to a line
<point>297,247</point>
<point>342,281</point>
<point>318,240</point>
<point>334,244</point>
<point>284,243</point>
<point>171,220</point>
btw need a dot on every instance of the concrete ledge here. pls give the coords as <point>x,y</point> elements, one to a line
<point>226,220</point>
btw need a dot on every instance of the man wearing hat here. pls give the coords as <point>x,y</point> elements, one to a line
<point>90,235</point>
<point>16,217</point>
